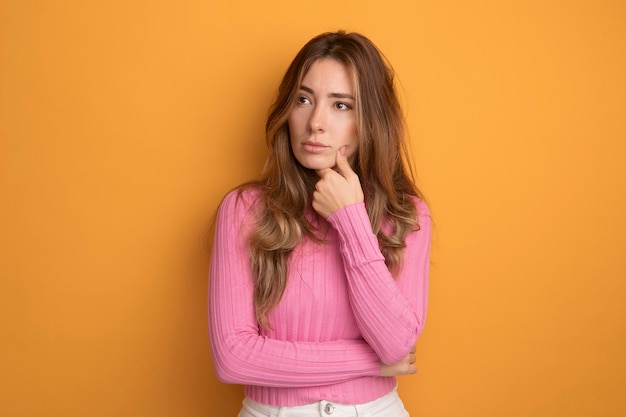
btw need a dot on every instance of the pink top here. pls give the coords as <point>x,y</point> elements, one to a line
<point>342,312</point>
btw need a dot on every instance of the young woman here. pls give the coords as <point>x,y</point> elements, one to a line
<point>319,271</point>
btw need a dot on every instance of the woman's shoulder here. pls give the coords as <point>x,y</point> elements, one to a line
<point>421,207</point>
<point>248,194</point>
<point>238,205</point>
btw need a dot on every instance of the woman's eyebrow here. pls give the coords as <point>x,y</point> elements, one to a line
<point>334,95</point>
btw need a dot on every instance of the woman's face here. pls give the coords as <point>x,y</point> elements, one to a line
<point>324,116</point>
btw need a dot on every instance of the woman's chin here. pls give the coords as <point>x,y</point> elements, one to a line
<point>316,165</point>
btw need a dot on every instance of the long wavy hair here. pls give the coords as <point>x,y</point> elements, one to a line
<point>286,187</point>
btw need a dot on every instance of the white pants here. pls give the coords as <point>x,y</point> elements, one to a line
<point>389,405</point>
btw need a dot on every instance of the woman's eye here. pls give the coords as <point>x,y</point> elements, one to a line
<point>302,100</point>
<point>342,106</point>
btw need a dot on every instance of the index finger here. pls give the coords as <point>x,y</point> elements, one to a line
<point>342,164</point>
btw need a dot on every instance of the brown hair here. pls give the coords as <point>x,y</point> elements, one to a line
<point>381,164</point>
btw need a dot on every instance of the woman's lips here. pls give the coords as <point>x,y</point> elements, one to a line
<point>314,147</point>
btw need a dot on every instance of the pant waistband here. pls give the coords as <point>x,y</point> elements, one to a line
<point>327,408</point>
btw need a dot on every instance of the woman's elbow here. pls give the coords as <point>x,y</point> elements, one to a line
<point>226,373</point>
<point>391,354</point>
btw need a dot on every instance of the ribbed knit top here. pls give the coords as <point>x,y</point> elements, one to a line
<point>341,315</point>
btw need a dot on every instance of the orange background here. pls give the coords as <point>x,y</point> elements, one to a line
<point>123,123</point>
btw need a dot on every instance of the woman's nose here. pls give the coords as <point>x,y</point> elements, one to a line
<point>317,121</point>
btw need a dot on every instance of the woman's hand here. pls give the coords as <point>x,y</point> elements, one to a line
<point>336,189</point>
<point>404,367</point>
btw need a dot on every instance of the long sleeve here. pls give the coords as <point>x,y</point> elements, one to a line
<point>390,312</point>
<point>241,354</point>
